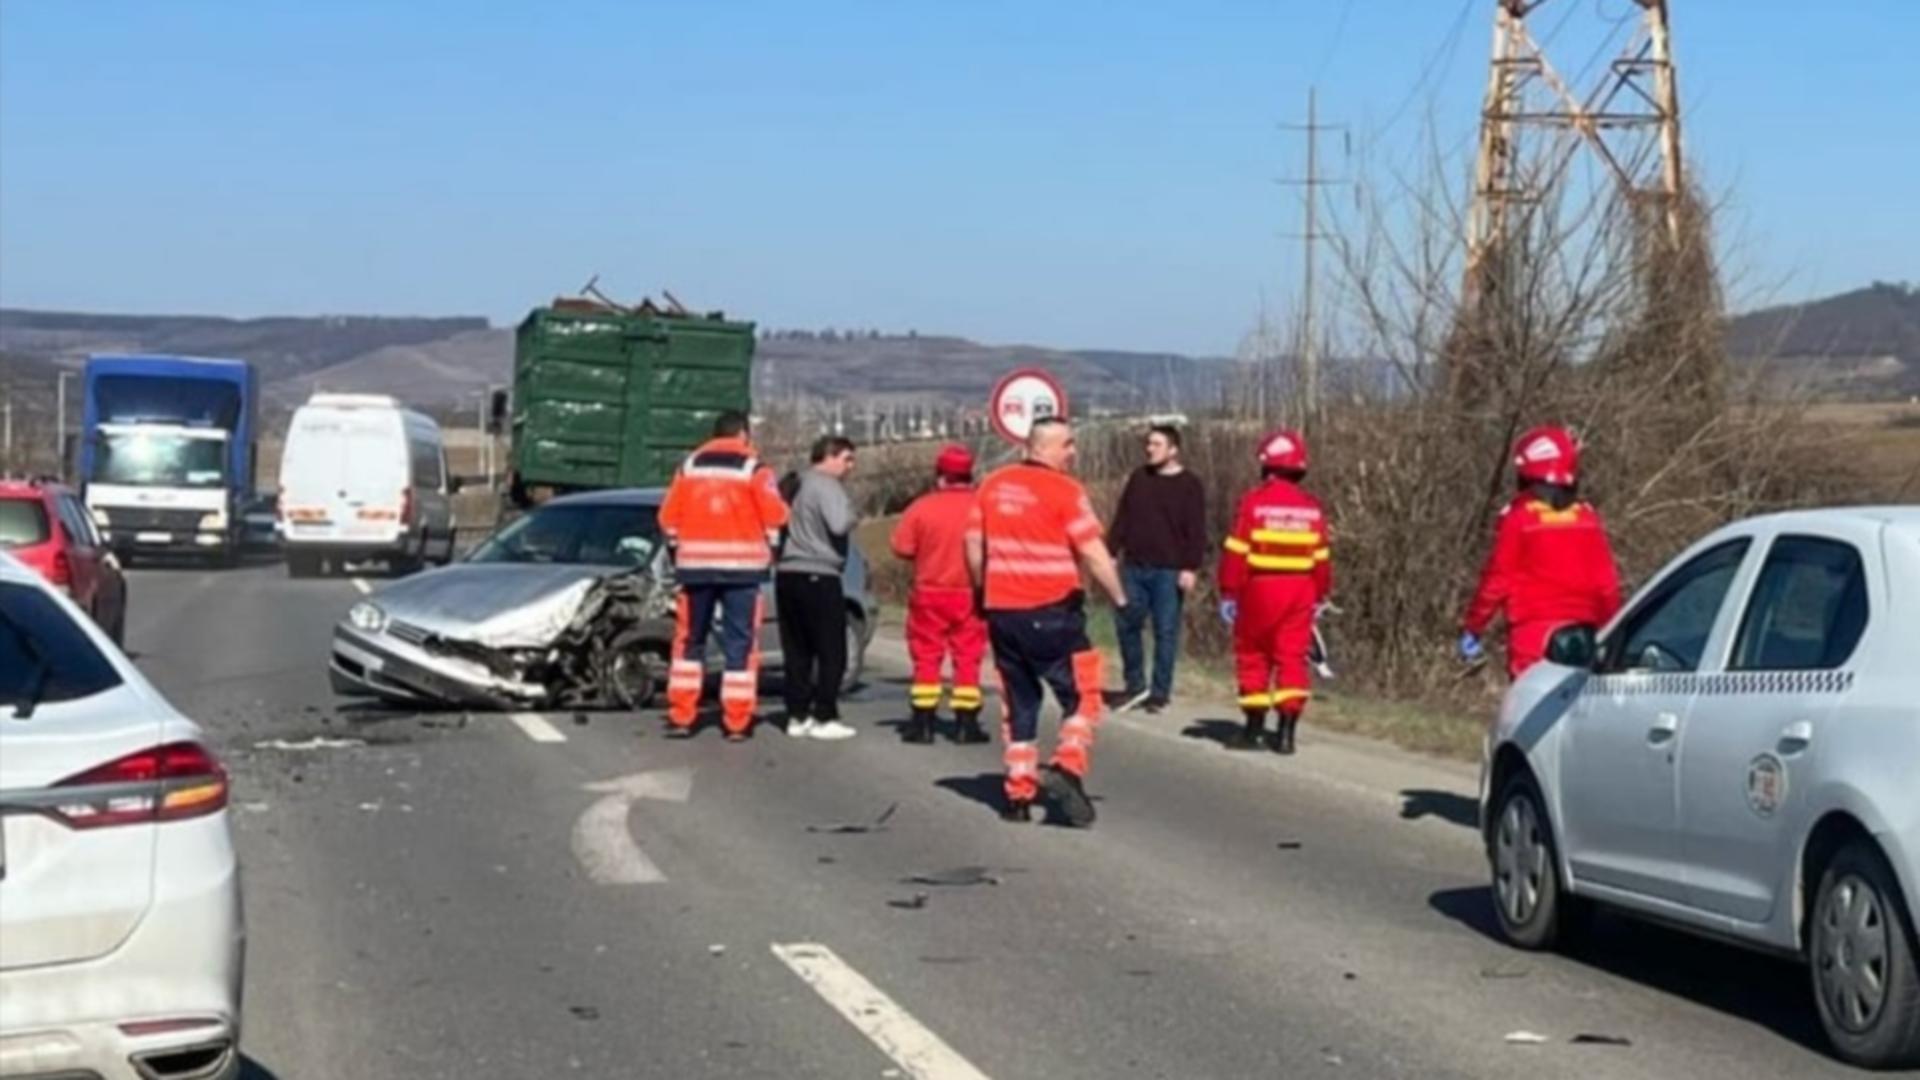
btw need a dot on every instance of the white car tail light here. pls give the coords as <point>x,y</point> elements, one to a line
<point>164,783</point>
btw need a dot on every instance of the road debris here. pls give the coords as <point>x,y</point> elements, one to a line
<point>1289,845</point>
<point>716,950</point>
<point>959,876</point>
<point>853,829</point>
<point>584,1012</point>
<point>1526,1038</point>
<point>1504,973</point>
<point>1591,1039</point>
<point>918,901</point>
<point>318,742</point>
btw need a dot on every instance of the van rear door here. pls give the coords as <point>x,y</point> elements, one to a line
<point>345,475</point>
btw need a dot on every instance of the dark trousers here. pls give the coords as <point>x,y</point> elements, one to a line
<point>1038,650</point>
<point>1152,592</point>
<point>739,622</point>
<point>813,637</point>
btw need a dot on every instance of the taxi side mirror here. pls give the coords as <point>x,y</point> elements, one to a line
<point>1574,646</point>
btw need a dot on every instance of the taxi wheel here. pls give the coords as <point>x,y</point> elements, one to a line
<point>1528,900</point>
<point>1861,953</point>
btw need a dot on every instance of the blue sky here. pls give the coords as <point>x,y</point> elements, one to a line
<point>1071,174</point>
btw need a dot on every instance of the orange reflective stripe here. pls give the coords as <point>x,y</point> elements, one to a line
<point>1293,563</point>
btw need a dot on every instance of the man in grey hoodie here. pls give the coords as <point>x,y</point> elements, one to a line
<point>807,590</point>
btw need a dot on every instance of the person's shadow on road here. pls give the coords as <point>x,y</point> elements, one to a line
<point>1217,731</point>
<point>987,789</point>
<point>1417,803</point>
<point>1768,991</point>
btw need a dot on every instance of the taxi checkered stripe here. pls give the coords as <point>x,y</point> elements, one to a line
<point>1725,684</point>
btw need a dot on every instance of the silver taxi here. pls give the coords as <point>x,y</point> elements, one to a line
<point>1739,754</point>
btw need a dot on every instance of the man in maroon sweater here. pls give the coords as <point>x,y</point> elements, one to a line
<point>1160,536</point>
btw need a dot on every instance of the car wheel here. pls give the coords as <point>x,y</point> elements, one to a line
<point>1862,959</point>
<point>118,632</point>
<point>856,654</point>
<point>630,670</point>
<point>1529,900</point>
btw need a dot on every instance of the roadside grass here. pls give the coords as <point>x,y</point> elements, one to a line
<point>1206,684</point>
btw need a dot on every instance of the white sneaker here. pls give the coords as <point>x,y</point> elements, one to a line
<point>800,728</point>
<point>831,730</point>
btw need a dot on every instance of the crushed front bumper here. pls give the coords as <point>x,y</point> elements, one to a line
<point>379,665</point>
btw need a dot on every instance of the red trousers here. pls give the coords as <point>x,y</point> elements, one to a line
<point>1527,645</point>
<point>941,625</point>
<point>1271,638</point>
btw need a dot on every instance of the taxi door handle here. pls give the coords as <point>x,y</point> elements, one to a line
<point>1665,727</point>
<point>1795,738</point>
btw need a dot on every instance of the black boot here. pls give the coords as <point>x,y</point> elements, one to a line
<point>967,729</point>
<point>1248,738</point>
<point>1069,796</point>
<point>1283,733</point>
<point>1017,811</point>
<point>920,727</point>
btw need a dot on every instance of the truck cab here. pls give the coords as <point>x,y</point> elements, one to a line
<point>167,454</point>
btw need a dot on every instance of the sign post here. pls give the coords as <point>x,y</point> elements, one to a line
<point>1020,398</point>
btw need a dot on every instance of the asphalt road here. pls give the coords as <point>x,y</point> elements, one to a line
<point>449,897</point>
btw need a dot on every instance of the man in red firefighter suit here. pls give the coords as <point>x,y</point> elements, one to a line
<point>1551,565</point>
<point>1031,532</point>
<point>1276,573</point>
<point>722,519</point>
<point>942,618</point>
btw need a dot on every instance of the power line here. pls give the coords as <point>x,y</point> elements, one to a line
<point>1311,184</point>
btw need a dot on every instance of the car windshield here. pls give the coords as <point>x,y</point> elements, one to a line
<point>44,654</point>
<point>626,536</point>
<point>151,459</point>
<point>23,522</point>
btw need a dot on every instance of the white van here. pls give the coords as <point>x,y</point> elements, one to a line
<point>363,477</point>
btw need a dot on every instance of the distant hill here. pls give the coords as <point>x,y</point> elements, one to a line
<point>1862,343</point>
<point>280,347</point>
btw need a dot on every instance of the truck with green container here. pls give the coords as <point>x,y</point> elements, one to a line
<point>607,397</point>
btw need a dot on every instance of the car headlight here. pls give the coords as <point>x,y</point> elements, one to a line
<point>367,616</point>
<point>214,521</point>
<point>100,517</point>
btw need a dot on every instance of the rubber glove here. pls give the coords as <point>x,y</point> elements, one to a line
<point>1229,611</point>
<point>1470,648</point>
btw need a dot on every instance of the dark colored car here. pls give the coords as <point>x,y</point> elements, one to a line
<point>47,527</point>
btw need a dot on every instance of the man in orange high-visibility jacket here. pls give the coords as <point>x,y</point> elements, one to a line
<point>722,519</point>
<point>1551,565</point>
<point>942,618</point>
<point>1276,573</point>
<point>1031,532</point>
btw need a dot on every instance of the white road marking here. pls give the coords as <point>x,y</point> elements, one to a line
<point>601,841</point>
<point>537,728</point>
<point>361,584</point>
<point>919,1052</point>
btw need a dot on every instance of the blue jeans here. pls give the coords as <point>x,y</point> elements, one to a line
<point>1152,592</point>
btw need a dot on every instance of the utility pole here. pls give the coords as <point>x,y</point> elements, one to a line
<point>60,422</point>
<point>1309,388</point>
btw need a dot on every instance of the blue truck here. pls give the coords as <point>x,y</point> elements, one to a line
<point>167,453</point>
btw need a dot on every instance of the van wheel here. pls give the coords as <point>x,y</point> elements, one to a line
<point>1529,900</point>
<point>1862,961</point>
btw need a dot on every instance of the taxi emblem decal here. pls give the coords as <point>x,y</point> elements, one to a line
<point>1766,784</point>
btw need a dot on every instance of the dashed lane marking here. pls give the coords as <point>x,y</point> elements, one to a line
<point>537,728</point>
<point>361,584</point>
<point>915,1049</point>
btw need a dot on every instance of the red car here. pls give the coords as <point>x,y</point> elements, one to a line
<point>48,528</point>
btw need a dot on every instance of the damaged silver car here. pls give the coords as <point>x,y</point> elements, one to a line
<point>570,606</point>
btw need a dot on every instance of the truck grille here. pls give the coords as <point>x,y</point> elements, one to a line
<point>153,519</point>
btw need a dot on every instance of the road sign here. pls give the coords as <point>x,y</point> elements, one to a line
<point>1020,398</point>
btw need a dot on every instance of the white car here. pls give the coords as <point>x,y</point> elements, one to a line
<point>1738,754</point>
<point>121,939</point>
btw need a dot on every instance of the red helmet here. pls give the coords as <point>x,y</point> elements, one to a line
<point>1547,455</point>
<point>955,461</point>
<point>1284,449</point>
